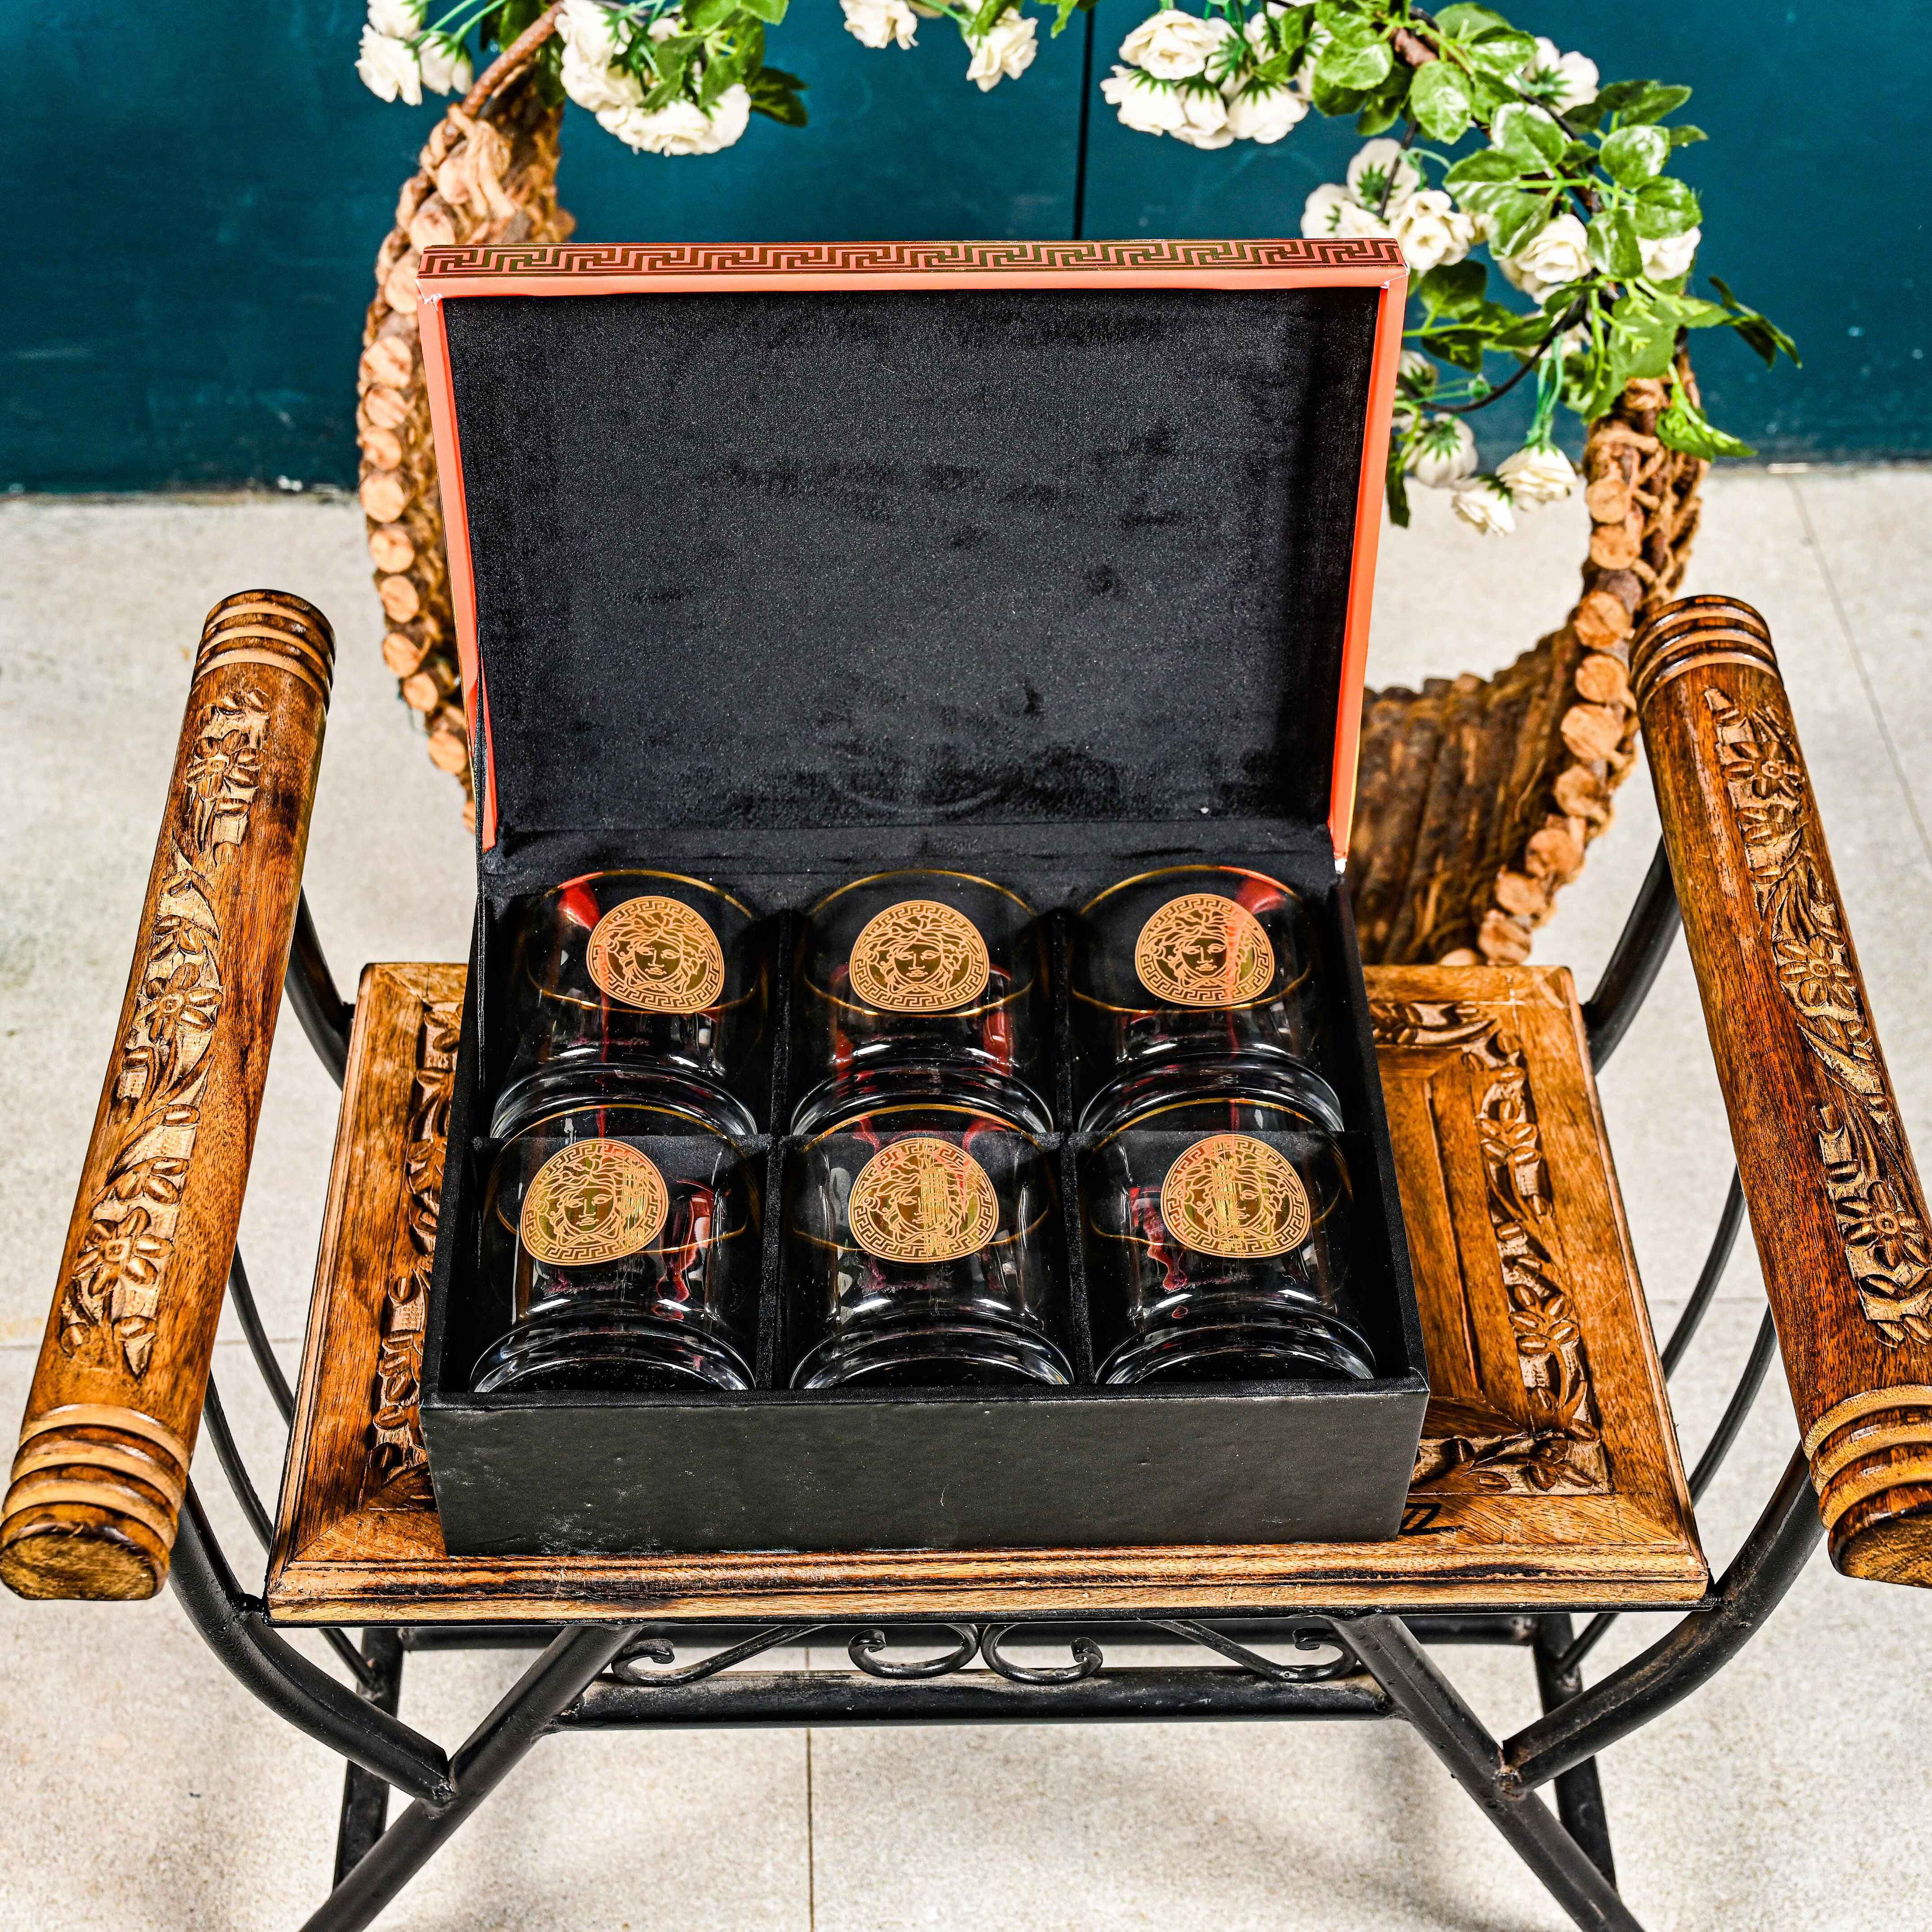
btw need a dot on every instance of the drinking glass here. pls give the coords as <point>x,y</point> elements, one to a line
<point>920,969</point>
<point>635,968</point>
<point>923,1250</point>
<point>1193,960</point>
<point>623,1234</point>
<point>1216,1211</point>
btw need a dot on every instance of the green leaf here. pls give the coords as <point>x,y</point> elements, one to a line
<point>1528,134</point>
<point>1461,347</point>
<point>1342,66</point>
<point>702,15</point>
<point>982,21</point>
<point>1451,291</point>
<point>1646,340</point>
<point>1618,95</point>
<point>1612,242</point>
<point>1632,155</point>
<point>1465,23</point>
<point>1398,484</point>
<point>1438,98</point>
<point>1476,170</point>
<point>1761,334</point>
<point>1505,52</point>
<point>1586,115</point>
<point>1654,103</point>
<point>1516,220</point>
<point>775,94</point>
<point>1684,426</point>
<point>1665,207</point>
<point>1682,137</point>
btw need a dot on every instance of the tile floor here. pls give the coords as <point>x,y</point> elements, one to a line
<point>141,1786</point>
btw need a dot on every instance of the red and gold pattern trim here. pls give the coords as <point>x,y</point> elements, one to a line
<point>1377,256</point>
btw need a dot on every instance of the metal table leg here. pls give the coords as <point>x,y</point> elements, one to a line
<point>525,1713</point>
<point>1474,1759</point>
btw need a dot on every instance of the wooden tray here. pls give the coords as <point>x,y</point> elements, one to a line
<point>1548,1475</point>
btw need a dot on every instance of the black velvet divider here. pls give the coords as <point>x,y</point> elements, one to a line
<point>772,1468</point>
<point>761,560</point>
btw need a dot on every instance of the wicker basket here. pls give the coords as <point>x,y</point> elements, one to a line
<point>1478,797</point>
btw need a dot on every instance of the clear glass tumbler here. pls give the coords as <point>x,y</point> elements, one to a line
<point>1193,961</point>
<point>1215,1206</point>
<point>635,968</point>
<point>624,1234</point>
<point>923,1251</point>
<point>924,969</point>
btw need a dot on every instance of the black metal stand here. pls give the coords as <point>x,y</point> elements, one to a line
<point>1343,1664</point>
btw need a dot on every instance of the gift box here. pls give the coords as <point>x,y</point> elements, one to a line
<point>778,567</point>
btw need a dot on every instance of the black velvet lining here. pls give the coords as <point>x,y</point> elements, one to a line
<point>885,560</point>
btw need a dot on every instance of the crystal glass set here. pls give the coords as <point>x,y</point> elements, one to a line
<point>923,1239</point>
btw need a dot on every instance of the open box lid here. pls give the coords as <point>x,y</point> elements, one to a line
<point>774,538</point>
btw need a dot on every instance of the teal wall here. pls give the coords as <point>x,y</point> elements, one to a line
<point>197,192</point>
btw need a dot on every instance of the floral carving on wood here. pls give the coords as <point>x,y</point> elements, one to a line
<point>398,1464</point>
<point>1868,1175</point>
<point>1560,1450</point>
<point>112,1298</point>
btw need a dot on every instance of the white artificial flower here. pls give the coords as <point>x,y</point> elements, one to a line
<point>397,20</point>
<point>389,69</point>
<point>1432,230</point>
<point>590,30</point>
<point>682,127</point>
<point>1538,474</point>
<point>1175,46</point>
<point>1559,254</point>
<point>1332,210</point>
<point>1559,80</point>
<point>1383,175</point>
<point>1148,106</point>
<point>445,67</point>
<point>1485,505</point>
<point>1415,371</point>
<point>1004,52</point>
<point>880,23</point>
<point>730,116</point>
<point>602,89</point>
<point>1264,114</point>
<point>1204,118</point>
<point>1671,256</point>
<point>1443,454</point>
<point>666,26</point>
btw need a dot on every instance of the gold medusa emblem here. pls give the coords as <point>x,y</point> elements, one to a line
<point>1233,1196</point>
<point>658,954</point>
<point>922,1199</point>
<point>596,1201</point>
<point>919,957</point>
<point>1204,950</point>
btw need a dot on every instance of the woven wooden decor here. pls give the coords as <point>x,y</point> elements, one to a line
<point>487,173</point>
<point>1478,797</point>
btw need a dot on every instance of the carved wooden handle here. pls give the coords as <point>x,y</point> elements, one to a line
<point>1836,1206</point>
<point>110,1424</point>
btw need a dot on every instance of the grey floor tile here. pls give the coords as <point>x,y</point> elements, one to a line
<point>149,1790</point>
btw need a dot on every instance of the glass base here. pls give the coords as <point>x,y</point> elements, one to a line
<point>1242,1350</point>
<point>955,1355</point>
<point>606,1350</point>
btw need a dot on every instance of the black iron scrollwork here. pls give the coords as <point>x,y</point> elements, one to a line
<point>1308,1637</point>
<point>628,1666</point>
<point>1086,1660</point>
<point>866,1645</point>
